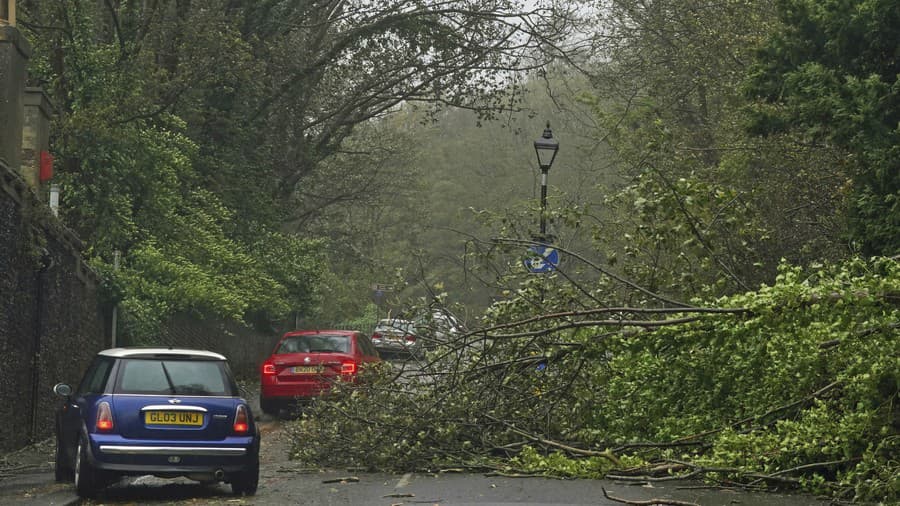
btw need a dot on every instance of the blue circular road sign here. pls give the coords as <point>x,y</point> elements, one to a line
<point>541,258</point>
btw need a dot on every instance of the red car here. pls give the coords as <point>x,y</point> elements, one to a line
<point>306,363</point>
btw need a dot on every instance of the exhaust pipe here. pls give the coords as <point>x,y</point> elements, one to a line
<point>219,474</point>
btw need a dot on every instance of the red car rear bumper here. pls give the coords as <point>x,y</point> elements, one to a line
<point>295,390</point>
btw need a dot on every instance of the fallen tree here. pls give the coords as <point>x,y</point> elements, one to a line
<point>755,397</point>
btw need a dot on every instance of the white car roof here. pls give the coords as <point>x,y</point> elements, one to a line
<point>150,352</point>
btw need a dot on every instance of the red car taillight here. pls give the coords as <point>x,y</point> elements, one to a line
<point>348,368</point>
<point>268,369</point>
<point>104,417</point>
<point>376,335</point>
<point>410,338</point>
<point>241,420</point>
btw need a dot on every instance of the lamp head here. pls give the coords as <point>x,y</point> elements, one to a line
<point>546,147</point>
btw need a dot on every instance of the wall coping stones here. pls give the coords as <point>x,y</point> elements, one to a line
<point>37,96</point>
<point>13,184</point>
<point>12,35</point>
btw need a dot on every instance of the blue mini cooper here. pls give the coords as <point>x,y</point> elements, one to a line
<point>159,411</point>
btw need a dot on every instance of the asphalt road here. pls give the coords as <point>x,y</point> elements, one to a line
<point>285,482</point>
<point>334,488</point>
<point>28,481</point>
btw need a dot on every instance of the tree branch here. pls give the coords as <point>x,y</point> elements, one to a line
<point>650,502</point>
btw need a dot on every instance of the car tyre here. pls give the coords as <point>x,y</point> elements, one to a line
<point>247,481</point>
<point>87,478</point>
<point>62,470</point>
<point>268,406</point>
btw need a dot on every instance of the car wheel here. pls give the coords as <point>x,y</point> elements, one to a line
<point>246,482</point>
<point>62,470</point>
<point>268,406</point>
<point>87,481</point>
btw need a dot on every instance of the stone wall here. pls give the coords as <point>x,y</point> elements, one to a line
<point>51,322</point>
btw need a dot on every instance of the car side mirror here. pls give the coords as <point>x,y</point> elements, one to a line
<point>62,389</point>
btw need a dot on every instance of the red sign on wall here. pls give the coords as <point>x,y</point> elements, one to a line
<point>46,166</point>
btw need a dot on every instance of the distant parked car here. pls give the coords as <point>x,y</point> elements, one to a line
<point>161,411</point>
<point>440,325</point>
<point>306,363</point>
<point>394,336</point>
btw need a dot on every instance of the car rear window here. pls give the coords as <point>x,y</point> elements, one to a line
<point>174,377</point>
<point>395,326</point>
<point>318,343</point>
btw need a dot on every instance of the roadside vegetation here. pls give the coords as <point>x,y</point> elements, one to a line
<point>726,201</point>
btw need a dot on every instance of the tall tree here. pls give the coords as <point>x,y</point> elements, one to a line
<point>332,65</point>
<point>831,76</point>
<point>242,112</point>
<point>707,207</point>
<point>664,74</point>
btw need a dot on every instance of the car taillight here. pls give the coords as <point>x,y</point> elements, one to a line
<point>268,369</point>
<point>410,339</point>
<point>348,368</point>
<point>241,420</point>
<point>376,335</point>
<point>104,417</point>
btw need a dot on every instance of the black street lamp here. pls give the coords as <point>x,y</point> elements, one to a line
<point>545,147</point>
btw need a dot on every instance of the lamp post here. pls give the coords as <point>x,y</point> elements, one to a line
<point>545,147</point>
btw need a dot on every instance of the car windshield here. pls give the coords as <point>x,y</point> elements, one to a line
<point>318,343</point>
<point>174,377</point>
<point>395,327</point>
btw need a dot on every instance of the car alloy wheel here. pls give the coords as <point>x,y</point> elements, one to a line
<point>85,474</point>
<point>268,406</point>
